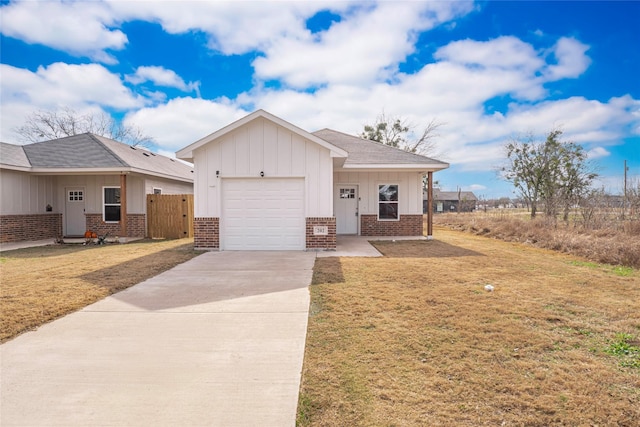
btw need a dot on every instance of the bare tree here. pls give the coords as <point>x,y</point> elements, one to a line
<point>553,172</point>
<point>633,197</point>
<point>400,133</point>
<point>45,125</point>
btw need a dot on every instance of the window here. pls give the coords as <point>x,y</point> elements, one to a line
<point>388,201</point>
<point>347,193</point>
<point>76,195</point>
<point>111,204</point>
<point>157,191</point>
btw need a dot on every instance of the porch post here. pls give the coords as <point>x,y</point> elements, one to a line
<point>123,205</point>
<point>429,205</point>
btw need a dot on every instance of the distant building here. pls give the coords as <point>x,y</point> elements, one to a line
<point>451,201</point>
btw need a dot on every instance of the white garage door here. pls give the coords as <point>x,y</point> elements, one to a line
<point>263,214</point>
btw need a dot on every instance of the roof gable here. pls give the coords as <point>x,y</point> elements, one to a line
<point>364,153</point>
<point>187,152</point>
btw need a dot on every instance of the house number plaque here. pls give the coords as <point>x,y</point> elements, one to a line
<point>320,230</point>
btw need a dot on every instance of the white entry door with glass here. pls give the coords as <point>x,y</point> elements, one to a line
<point>346,209</point>
<point>74,212</point>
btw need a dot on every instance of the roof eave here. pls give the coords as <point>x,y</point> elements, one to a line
<point>408,167</point>
<point>16,167</point>
<point>105,171</point>
<point>162,175</point>
<point>186,155</point>
<point>79,171</point>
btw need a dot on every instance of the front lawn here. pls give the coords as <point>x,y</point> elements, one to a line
<point>43,283</point>
<point>414,339</point>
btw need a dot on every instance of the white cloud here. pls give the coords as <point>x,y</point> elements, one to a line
<point>368,43</point>
<point>509,53</point>
<point>80,28</point>
<point>161,76</point>
<point>89,28</point>
<point>182,121</point>
<point>59,85</point>
<point>578,117</point>
<point>365,47</point>
<point>475,187</point>
<point>233,27</point>
<point>68,85</point>
<point>571,59</point>
<point>598,152</point>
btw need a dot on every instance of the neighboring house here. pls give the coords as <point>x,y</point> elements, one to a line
<point>67,186</point>
<point>262,183</point>
<point>451,201</point>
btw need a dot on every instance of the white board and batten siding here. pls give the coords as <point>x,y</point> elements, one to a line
<point>293,167</point>
<point>167,186</point>
<point>26,194</point>
<point>93,185</point>
<point>30,194</point>
<point>410,189</point>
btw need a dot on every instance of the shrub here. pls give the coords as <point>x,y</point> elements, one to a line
<point>616,243</point>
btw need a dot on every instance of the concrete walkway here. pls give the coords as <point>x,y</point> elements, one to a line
<point>359,246</point>
<point>216,341</point>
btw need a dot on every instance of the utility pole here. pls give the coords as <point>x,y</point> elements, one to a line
<point>624,199</point>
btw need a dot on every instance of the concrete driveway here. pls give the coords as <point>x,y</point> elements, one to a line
<point>216,341</point>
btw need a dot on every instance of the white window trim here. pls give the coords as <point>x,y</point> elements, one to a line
<point>378,201</point>
<point>111,204</point>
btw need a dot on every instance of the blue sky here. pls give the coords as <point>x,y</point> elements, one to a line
<point>490,71</point>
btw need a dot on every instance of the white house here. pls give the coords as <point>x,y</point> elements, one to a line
<point>262,183</point>
<point>66,186</point>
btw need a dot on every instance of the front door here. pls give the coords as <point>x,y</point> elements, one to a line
<point>74,219</point>
<point>346,208</point>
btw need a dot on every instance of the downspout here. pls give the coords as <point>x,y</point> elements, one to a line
<point>123,205</point>
<point>429,205</point>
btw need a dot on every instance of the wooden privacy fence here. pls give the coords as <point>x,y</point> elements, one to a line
<point>169,216</point>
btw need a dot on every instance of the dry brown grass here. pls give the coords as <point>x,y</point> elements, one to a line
<point>43,283</point>
<point>413,339</point>
<point>618,244</point>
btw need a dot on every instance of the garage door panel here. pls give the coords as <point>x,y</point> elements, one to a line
<point>263,214</point>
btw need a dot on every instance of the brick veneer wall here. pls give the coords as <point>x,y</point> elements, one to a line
<point>136,225</point>
<point>94,223</point>
<point>321,242</point>
<point>408,225</point>
<point>19,228</point>
<point>206,233</point>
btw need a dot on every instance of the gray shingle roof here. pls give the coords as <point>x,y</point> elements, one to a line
<point>365,152</point>
<point>146,160</point>
<point>13,155</point>
<point>88,151</point>
<point>77,151</point>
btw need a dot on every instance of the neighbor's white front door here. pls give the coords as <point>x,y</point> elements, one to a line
<point>345,205</point>
<point>74,220</point>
